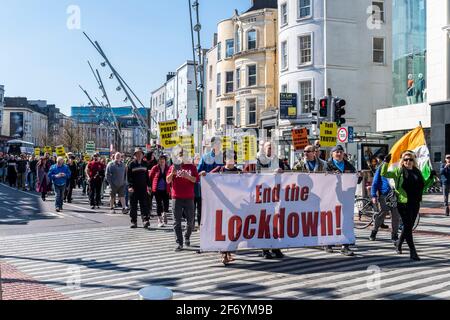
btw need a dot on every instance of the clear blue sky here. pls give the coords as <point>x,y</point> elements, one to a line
<point>40,58</point>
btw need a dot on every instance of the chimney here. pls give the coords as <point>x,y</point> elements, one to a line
<point>170,75</point>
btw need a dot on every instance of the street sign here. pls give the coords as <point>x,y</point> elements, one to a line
<point>351,134</point>
<point>288,106</point>
<point>328,134</point>
<point>90,147</point>
<point>167,133</point>
<point>300,138</point>
<point>342,135</point>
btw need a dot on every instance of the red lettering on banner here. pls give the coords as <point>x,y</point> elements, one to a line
<point>219,235</point>
<point>326,222</point>
<point>304,194</point>
<point>278,224</point>
<point>276,193</point>
<point>249,233</point>
<point>258,194</point>
<point>264,225</point>
<point>293,228</point>
<point>338,220</point>
<point>235,228</point>
<point>309,224</point>
<point>266,195</point>
<point>295,192</point>
<point>286,193</point>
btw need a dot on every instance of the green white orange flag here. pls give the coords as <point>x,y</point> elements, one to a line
<point>414,141</point>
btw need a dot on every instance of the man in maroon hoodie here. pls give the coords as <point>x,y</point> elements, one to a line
<point>96,174</point>
<point>183,175</point>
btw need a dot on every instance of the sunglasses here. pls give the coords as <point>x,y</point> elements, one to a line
<point>309,151</point>
<point>408,159</point>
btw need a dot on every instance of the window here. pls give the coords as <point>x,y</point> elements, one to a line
<point>218,119</point>
<point>377,11</point>
<point>229,116</point>
<point>237,38</point>
<point>306,98</point>
<point>284,14</point>
<point>219,51</point>
<point>219,84</point>
<point>305,50</point>
<point>229,82</point>
<point>251,43</point>
<point>210,73</point>
<point>284,88</point>
<point>210,98</point>
<point>304,9</point>
<point>238,78</point>
<point>251,111</point>
<point>230,48</point>
<point>251,75</point>
<point>238,113</point>
<point>378,50</point>
<point>284,55</point>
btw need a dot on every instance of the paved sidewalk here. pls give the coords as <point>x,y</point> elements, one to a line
<point>19,286</point>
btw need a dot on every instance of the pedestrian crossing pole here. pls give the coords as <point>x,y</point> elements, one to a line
<point>1,290</point>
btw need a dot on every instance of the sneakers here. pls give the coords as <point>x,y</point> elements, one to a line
<point>147,225</point>
<point>347,252</point>
<point>373,236</point>
<point>134,225</point>
<point>278,254</point>
<point>414,256</point>
<point>187,242</point>
<point>160,222</point>
<point>383,226</point>
<point>267,255</point>
<point>394,237</point>
<point>398,247</point>
<point>125,211</point>
<point>179,248</point>
<point>93,207</point>
<point>447,211</point>
<point>58,210</point>
<point>328,249</point>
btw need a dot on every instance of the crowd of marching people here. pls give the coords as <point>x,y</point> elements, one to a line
<point>136,182</point>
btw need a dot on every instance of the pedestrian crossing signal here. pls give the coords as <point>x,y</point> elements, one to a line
<point>324,107</point>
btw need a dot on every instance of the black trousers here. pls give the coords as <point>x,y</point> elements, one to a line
<point>95,190</point>
<point>68,192</point>
<point>141,199</point>
<point>409,213</point>
<point>198,209</point>
<point>162,202</point>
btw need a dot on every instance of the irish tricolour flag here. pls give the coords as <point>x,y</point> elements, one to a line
<point>414,141</point>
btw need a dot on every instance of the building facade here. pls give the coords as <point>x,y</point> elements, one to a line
<point>344,45</point>
<point>24,121</point>
<point>242,71</point>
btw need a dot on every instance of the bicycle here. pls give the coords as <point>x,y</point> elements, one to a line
<point>366,213</point>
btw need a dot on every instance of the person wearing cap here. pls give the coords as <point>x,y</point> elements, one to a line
<point>160,189</point>
<point>138,187</point>
<point>445,180</point>
<point>96,173</point>
<point>338,165</point>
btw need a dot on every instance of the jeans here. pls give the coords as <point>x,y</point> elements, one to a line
<point>446,189</point>
<point>31,180</point>
<point>59,191</point>
<point>84,185</point>
<point>379,219</point>
<point>178,206</point>
<point>409,213</point>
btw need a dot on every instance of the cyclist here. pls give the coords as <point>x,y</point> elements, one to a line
<point>380,192</point>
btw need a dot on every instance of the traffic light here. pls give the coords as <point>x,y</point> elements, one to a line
<point>324,107</point>
<point>339,111</point>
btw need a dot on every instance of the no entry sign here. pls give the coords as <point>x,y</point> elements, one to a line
<point>342,135</point>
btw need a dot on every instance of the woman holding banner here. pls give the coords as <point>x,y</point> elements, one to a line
<point>229,158</point>
<point>409,185</point>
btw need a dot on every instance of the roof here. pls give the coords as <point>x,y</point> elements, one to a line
<point>263,4</point>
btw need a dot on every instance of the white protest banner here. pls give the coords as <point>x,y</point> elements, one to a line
<point>263,211</point>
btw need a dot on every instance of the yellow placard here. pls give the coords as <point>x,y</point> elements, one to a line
<point>187,143</point>
<point>238,150</point>
<point>167,133</point>
<point>37,152</point>
<point>292,111</point>
<point>328,134</point>
<point>60,151</point>
<point>250,148</point>
<point>48,150</point>
<point>226,143</point>
<point>87,158</point>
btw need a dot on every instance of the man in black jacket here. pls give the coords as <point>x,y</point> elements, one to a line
<point>445,180</point>
<point>338,165</point>
<point>138,186</point>
<point>21,172</point>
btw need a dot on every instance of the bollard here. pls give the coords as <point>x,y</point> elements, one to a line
<point>155,293</point>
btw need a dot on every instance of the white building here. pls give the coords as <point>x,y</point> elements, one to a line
<point>176,99</point>
<point>2,104</point>
<point>338,44</point>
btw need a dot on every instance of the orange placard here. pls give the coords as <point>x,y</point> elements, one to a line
<point>300,138</point>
